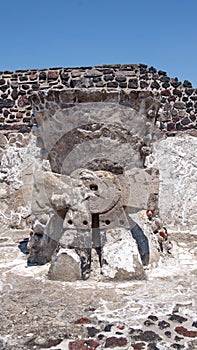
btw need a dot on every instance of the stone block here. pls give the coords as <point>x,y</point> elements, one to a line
<point>121,260</point>
<point>65,266</point>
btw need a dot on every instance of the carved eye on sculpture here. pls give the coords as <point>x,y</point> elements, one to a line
<point>93,187</point>
<point>85,222</point>
<point>107,222</point>
<point>70,222</point>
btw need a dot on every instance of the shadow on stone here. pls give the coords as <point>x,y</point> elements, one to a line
<point>23,246</point>
<point>141,240</point>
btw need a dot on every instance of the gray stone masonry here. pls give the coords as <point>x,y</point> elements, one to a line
<point>178,101</point>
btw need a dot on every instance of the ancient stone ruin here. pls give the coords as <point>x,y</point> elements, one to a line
<point>98,209</point>
<point>89,163</point>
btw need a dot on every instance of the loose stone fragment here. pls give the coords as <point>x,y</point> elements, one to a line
<point>65,267</point>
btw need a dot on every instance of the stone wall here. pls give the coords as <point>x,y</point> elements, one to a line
<point>178,101</point>
<point>140,104</point>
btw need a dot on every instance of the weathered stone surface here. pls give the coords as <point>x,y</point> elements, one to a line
<point>187,84</point>
<point>23,101</point>
<point>185,332</point>
<point>3,141</point>
<point>65,266</point>
<point>177,318</point>
<point>83,344</point>
<point>26,303</point>
<point>179,105</point>
<point>155,85</point>
<point>152,346</point>
<point>175,159</point>
<point>76,197</point>
<point>82,320</point>
<point>52,75</point>
<point>31,301</point>
<point>4,191</point>
<point>163,324</point>
<point>77,129</point>
<point>148,336</point>
<point>108,327</point>
<point>14,94</point>
<point>92,73</point>
<point>133,84</point>
<point>112,342</point>
<point>140,187</point>
<point>120,266</point>
<point>127,76</point>
<point>185,121</point>
<point>6,103</point>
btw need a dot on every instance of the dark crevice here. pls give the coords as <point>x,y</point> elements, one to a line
<point>141,240</point>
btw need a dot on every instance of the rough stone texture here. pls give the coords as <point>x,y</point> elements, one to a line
<point>117,265</point>
<point>20,158</point>
<point>176,160</point>
<point>65,266</point>
<point>112,342</point>
<point>150,121</point>
<point>36,311</point>
<point>20,85</point>
<point>93,130</point>
<point>65,207</point>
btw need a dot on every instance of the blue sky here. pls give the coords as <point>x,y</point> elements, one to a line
<point>69,33</point>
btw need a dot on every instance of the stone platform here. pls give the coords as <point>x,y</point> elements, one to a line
<point>159,313</point>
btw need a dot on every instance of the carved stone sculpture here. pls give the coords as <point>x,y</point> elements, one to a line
<point>91,211</point>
